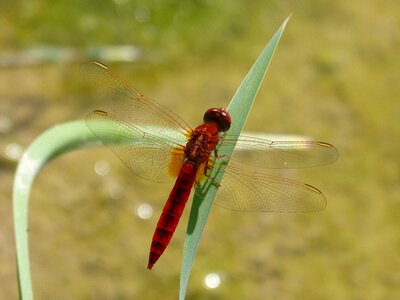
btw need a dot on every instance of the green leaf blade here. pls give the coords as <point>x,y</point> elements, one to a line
<point>239,109</point>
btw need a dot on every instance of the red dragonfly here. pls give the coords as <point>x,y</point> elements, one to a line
<point>158,145</point>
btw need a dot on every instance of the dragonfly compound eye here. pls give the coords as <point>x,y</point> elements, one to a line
<point>218,116</point>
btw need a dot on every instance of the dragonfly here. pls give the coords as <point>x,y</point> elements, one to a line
<point>158,145</point>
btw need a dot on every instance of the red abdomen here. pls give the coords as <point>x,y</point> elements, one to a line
<point>172,212</point>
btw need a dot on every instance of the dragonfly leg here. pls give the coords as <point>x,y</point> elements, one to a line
<point>206,169</point>
<point>218,156</point>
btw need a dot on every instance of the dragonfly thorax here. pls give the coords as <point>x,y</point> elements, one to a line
<point>200,145</point>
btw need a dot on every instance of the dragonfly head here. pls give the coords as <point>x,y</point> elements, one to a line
<point>218,116</point>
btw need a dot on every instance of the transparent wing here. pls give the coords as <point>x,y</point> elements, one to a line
<point>263,153</point>
<point>147,155</point>
<point>133,108</point>
<point>146,136</point>
<point>246,190</point>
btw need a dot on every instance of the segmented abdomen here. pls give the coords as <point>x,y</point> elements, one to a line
<point>172,212</point>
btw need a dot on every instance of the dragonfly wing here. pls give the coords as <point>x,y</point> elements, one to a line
<point>265,153</point>
<point>256,191</point>
<point>131,107</point>
<point>148,155</point>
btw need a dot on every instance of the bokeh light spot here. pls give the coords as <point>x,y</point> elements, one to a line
<point>102,167</point>
<point>212,280</point>
<point>144,211</point>
<point>13,151</point>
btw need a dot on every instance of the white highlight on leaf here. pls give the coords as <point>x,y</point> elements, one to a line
<point>27,169</point>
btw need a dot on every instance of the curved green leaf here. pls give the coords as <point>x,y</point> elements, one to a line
<point>53,142</point>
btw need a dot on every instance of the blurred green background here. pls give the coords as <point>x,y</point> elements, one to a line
<point>334,77</point>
